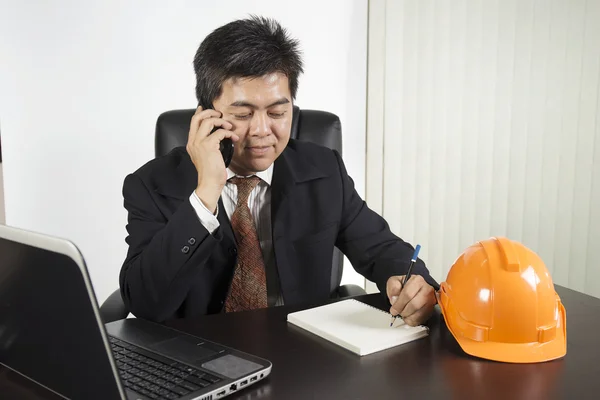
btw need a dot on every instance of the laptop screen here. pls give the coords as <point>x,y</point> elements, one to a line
<point>48,326</point>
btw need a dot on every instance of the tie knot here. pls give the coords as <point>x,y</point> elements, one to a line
<point>245,186</point>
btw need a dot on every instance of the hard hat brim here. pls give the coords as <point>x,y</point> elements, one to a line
<point>515,352</point>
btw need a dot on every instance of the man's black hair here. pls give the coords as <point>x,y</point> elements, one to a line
<point>251,47</point>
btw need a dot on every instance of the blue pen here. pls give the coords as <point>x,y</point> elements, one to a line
<point>413,260</point>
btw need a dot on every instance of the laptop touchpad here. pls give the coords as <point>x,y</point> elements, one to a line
<point>185,348</point>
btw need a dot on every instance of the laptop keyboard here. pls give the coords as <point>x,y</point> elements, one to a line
<point>154,376</point>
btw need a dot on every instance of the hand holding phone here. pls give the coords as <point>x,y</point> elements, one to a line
<point>210,152</point>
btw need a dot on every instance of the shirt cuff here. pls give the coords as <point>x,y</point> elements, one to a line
<point>207,218</point>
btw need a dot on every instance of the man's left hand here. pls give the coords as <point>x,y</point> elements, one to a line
<point>414,302</point>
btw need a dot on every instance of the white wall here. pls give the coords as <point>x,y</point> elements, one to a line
<point>82,82</point>
<point>489,125</point>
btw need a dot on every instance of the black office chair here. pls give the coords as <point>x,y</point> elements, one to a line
<point>318,127</point>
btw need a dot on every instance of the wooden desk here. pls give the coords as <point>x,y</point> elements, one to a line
<point>308,367</point>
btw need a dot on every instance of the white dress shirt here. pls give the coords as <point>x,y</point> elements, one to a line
<point>259,203</point>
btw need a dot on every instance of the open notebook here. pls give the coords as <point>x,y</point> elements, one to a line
<point>356,326</point>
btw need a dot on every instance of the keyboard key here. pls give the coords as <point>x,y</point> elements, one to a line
<point>125,375</point>
<point>197,381</point>
<point>181,366</point>
<point>211,378</point>
<point>136,372</point>
<point>180,391</point>
<point>189,386</point>
<point>154,388</point>
<point>198,374</point>
<point>172,396</point>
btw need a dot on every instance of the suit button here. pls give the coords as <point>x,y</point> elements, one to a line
<point>185,249</point>
<point>192,241</point>
<point>233,251</point>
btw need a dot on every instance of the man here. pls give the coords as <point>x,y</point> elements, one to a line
<point>204,238</point>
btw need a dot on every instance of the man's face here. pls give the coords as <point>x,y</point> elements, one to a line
<point>260,110</point>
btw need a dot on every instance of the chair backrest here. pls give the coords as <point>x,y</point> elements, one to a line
<point>314,126</point>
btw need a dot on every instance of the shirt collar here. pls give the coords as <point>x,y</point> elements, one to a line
<point>266,175</point>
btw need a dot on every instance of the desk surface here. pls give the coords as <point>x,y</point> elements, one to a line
<point>308,367</point>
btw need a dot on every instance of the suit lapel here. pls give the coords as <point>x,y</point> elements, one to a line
<point>290,171</point>
<point>281,185</point>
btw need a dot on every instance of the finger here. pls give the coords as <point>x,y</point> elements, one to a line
<point>197,119</point>
<point>414,319</point>
<point>410,290</point>
<point>221,134</point>
<point>419,301</point>
<point>208,124</point>
<point>421,315</point>
<point>393,288</point>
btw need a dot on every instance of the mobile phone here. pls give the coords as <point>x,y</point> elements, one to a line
<point>225,146</point>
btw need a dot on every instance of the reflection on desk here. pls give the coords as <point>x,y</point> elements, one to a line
<point>15,386</point>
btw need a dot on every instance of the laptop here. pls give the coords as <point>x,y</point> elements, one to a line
<point>51,332</point>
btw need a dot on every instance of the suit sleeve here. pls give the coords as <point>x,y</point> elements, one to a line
<point>164,255</point>
<point>365,238</point>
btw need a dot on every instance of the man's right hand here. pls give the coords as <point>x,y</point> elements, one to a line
<point>203,148</point>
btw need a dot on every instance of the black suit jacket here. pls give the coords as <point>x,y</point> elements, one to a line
<point>176,268</point>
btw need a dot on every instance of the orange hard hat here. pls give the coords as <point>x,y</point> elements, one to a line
<point>499,303</point>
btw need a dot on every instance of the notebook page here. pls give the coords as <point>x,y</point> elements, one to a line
<point>356,326</point>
